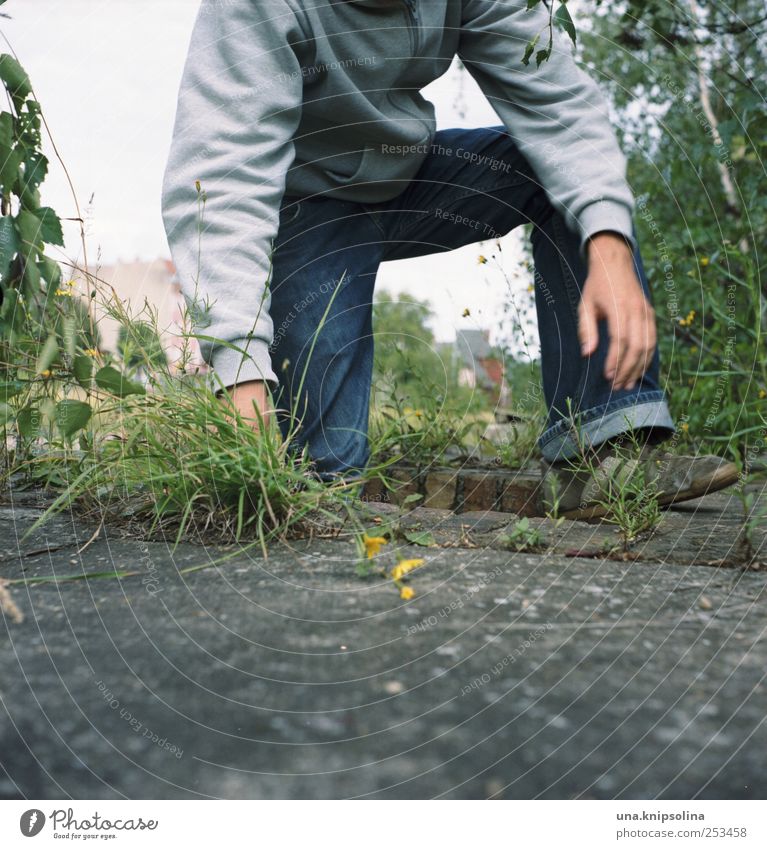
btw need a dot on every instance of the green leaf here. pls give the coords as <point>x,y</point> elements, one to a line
<point>82,368</point>
<point>29,121</point>
<point>111,380</point>
<point>419,537</point>
<point>362,568</point>
<point>6,414</point>
<point>50,271</point>
<point>48,354</point>
<point>28,422</point>
<point>35,170</point>
<point>10,309</point>
<point>415,496</point>
<point>10,165</point>
<point>72,416</point>
<point>6,132</point>
<point>9,243</point>
<point>31,279</point>
<point>542,56</point>
<point>563,20</point>
<point>50,229</point>
<point>529,50</point>
<point>29,228</point>
<point>14,77</point>
<point>531,4</point>
<point>10,389</point>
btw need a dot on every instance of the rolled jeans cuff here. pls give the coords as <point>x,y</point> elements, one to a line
<point>649,409</point>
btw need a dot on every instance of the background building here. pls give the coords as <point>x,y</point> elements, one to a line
<point>150,292</point>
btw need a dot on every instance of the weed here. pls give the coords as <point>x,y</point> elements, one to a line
<point>623,485</point>
<point>419,435</point>
<point>522,536</point>
<point>521,441</point>
<point>754,514</point>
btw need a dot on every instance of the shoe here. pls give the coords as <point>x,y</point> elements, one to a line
<point>576,490</point>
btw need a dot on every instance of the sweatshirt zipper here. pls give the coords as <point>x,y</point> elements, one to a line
<point>412,12</point>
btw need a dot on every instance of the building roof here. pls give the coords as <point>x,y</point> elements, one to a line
<point>473,345</point>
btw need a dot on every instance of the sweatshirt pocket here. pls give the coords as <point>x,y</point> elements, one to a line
<point>344,169</point>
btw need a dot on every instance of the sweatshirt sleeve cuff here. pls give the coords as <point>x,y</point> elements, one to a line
<point>606,215</point>
<point>232,367</point>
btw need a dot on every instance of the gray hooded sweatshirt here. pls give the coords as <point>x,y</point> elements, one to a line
<point>311,97</point>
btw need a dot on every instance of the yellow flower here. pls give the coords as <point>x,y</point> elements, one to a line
<point>531,288</point>
<point>46,373</point>
<point>65,292</point>
<point>685,427</point>
<point>763,393</point>
<point>372,544</point>
<point>704,261</point>
<point>418,413</point>
<point>466,313</point>
<point>91,352</point>
<point>405,566</point>
<point>694,349</point>
<point>406,593</point>
<point>71,282</point>
<point>482,259</point>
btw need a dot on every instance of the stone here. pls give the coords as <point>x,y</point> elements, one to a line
<point>515,674</point>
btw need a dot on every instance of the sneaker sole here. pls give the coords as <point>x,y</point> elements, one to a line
<point>725,476</point>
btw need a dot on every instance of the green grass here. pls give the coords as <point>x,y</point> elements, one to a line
<point>181,462</point>
<point>169,456</point>
<point>624,489</point>
<point>421,430</point>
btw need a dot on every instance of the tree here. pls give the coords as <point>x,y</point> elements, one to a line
<point>687,86</point>
<point>405,351</point>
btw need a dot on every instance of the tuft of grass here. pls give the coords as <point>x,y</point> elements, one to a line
<point>163,449</point>
<point>754,513</point>
<point>420,435</point>
<point>521,444</point>
<point>627,492</point>
<point>182,461</point>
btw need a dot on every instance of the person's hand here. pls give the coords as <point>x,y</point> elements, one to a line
<point>245,395</point>
<point>612,291</point>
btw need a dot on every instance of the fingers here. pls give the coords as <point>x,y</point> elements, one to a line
<point>630,324</point>
<point>647,339</point>
<point>588,332</point>
<point>632,345</point>
<point>616,354</point>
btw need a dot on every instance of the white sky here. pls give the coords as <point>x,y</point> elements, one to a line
<point>107,74</point>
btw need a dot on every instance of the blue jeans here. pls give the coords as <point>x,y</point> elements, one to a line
<point>328,251</point>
